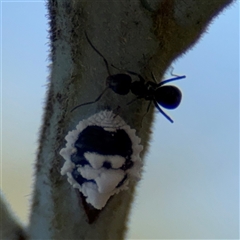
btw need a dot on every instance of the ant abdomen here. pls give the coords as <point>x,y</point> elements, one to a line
<point>168,97</point>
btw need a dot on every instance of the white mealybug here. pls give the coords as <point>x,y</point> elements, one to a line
<point>102,156</point>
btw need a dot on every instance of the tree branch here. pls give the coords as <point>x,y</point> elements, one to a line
<point>10,227</point>
<point>131,37</point>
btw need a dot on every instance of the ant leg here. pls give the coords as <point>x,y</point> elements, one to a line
<point>104,59</point>
<point>162,112</point>
<point>145,114</point>
<point>118,110</point>
<point>83,104</point>
<point>171,72</point>
<point>135,99</point>
<point>170,80</point>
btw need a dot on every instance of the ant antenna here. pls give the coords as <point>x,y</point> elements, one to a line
<point>94,48</point>
<point>108,70</point>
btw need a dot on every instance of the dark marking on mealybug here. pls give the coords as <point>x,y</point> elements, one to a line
<point>78,177</point>
<point>96,139</point>
<point>107,165</point>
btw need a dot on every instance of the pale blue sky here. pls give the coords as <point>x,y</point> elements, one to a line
<point>190,185</point>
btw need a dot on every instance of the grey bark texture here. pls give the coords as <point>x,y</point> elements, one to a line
<point>140,36</point>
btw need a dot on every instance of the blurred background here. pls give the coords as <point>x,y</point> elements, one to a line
<point>190,185</point>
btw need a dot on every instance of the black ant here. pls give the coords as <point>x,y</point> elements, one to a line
<point>168,97</point>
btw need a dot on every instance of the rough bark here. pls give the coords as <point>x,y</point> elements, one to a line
<point>141,36</point>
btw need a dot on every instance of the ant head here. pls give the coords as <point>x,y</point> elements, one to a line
<point>168,96</point>
<point>119,83</point>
